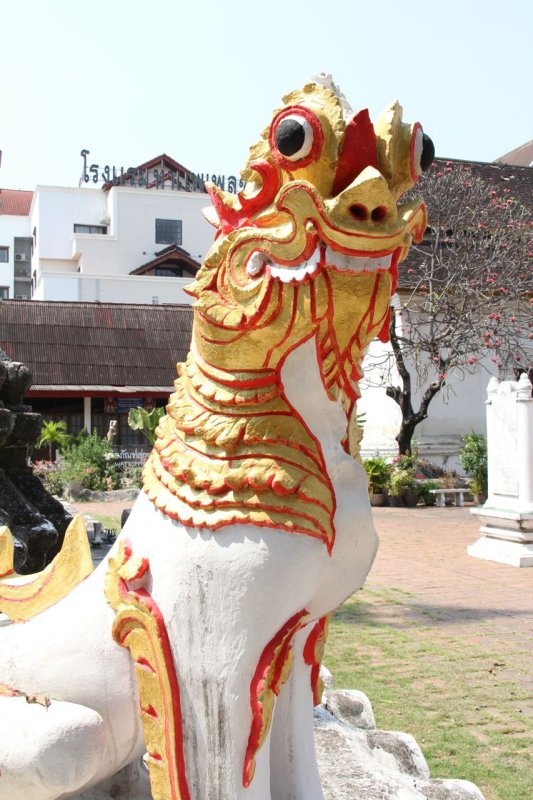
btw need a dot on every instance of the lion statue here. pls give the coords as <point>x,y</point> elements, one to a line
<point>197,643</point>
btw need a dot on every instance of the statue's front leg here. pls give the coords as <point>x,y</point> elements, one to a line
<point>293,768</point>
<point>231,606</point>
<point>47,748</point>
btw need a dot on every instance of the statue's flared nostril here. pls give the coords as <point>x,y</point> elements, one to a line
<point>428,153</point>
<point>379,213</point>
<point>359,211</point>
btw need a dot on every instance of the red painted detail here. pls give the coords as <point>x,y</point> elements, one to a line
<point>288,329</point>
<point>143,663</point>
<point>259,456</point>
<point>233,218</point>
<point>359,150</point>
<point>37,592</point>
<point>174,753</point>
<point>384,333</point>
<point>150,711</point>
<point>7,573</point>
<point>270,667</point>
<point>271,182</point>
<point>394,271</point>
<point>412,166</point>
<point>318,138</point>
<point>158,758</point>
<point>309,654</point>
<point>369,313</point>
<point>7,691</point>
<point>260,382</point>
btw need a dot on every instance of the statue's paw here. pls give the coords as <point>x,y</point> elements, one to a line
<point>47,747</point>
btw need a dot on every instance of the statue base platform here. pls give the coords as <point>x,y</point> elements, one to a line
<point>506,536</point>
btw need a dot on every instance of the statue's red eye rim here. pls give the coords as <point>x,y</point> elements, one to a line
<point>296,138</point>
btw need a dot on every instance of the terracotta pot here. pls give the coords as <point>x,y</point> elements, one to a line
<point>377,499</point>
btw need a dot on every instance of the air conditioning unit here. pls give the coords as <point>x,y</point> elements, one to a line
<point>20,257</point>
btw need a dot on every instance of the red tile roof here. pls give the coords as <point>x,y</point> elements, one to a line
<point>68,346</point>
<point>16,202</point>
<point>520,157</point>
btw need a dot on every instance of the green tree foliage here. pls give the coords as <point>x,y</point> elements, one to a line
<point>54,433</point>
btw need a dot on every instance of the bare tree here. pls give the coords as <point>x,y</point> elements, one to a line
<point>466,292</point>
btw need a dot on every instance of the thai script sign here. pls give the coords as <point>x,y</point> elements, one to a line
<point>154,178</point>
<point>134,455</point>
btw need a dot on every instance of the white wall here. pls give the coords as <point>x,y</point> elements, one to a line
<point>10,227</point>
<point>455,411</point>
<point>54,213</point>
<point>111,289</point>
<point>130,239</point>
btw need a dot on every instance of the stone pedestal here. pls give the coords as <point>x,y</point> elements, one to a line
<point>507,516</point>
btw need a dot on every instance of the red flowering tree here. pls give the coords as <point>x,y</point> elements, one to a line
<point>466,293</point>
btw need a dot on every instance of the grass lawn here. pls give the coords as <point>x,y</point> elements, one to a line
<point>108,521</point>
<point>451,695</point>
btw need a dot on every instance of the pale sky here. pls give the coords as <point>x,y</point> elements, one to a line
<point>198,80</point>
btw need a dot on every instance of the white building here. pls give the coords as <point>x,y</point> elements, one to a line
<point>138,240</point>
<point>15,244</point>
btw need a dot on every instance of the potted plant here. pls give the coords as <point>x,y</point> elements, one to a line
<point>400,480</point>
<point>378,472</point>
<point>473,457</point>
<point>424,490</point>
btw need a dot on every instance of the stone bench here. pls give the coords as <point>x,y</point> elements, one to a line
<point>440,495</point>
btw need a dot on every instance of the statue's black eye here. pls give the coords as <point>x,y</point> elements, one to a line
<point>294,137</point>
<point>428,153</point>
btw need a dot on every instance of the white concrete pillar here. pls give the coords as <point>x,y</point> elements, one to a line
<point>524,409</point>
<point>87,421</point>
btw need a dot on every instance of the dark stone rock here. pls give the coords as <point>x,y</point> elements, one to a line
<point>36,520</point>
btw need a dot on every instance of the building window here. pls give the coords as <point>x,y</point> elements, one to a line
<point>4,255</point>
<point>90,228</point>
<point>169,272</point>
<point>4,292</point>
<point>168,231</point>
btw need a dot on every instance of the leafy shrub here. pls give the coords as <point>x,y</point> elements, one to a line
<point>424,490</point>
<point>473,457</point>
<point>52,475</point>
<point>132,476</point>
<point>146,421</point>
<point>378,472</point>
<point>90,460</point>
